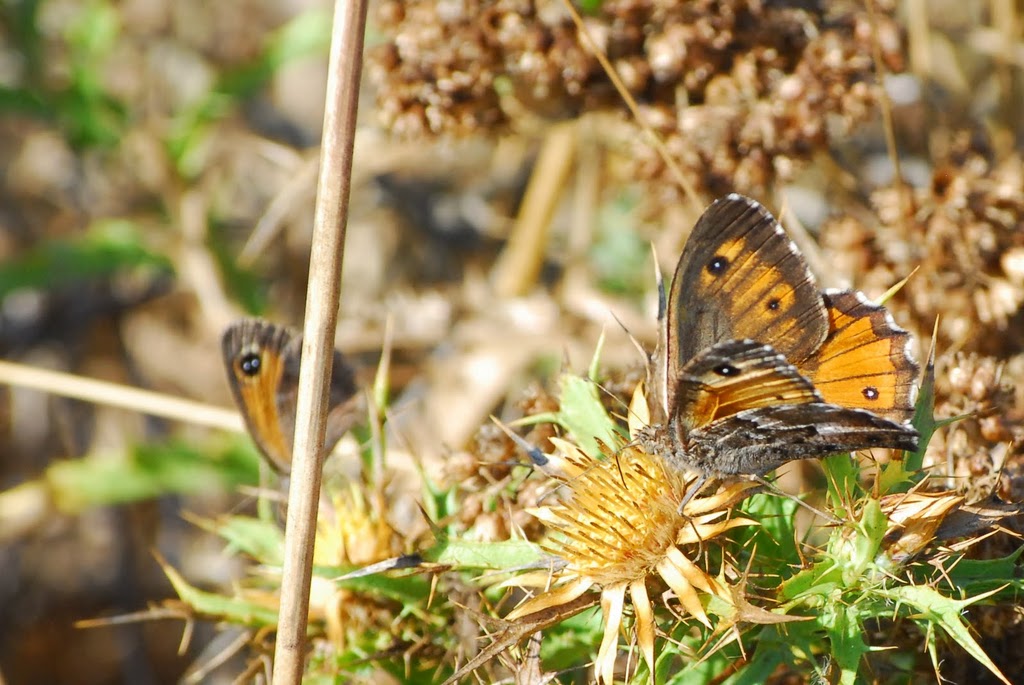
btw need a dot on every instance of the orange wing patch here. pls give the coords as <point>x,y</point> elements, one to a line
<point>864,362</point>
<point>736,376</point>
<point>259,396</point>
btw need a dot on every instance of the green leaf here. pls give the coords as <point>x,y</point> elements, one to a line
<point>848,647</point>
<point>582,415</point>
<point>898,475</point>
<point>488,556</point>
<point>936,609</point>
<point>842,473</point>
<point>973,576</point>
<point>619,255</point>
<point>149,471</point>
<point>262,540</point>
<point>107,248</point>
<point>227,608</point>
<point>774,541</point>
<point>306,34</point>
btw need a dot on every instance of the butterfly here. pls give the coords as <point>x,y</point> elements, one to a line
<point>262,361</point>
<point>756,367</point>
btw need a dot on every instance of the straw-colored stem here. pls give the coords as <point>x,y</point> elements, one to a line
<point>520,264</point>
<point>344,70</point>
<point>121,396</point>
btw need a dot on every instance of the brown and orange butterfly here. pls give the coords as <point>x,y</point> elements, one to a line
<point>755,366</point>
<point>262,360</point>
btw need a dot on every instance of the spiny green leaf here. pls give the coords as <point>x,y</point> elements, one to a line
<point>262,540</point>
<point>843,477</point>
<point>848,646</point>
<point>228,608</point>
<point>937,609</point>
<point>899,475</point>
<point>974,576</point>
<point>490,556</point>
<point>582,415</point>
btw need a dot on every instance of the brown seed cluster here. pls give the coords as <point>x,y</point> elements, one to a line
<point>986,448</point>
<point>965,234</point>
<point>493,494</point>
<point>741,90</point>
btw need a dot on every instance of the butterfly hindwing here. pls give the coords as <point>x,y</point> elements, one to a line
<point>742,408</point>
<point>344,408</point>
<point>760,440</point>
<point>735,376</point>
<point>865,361</point>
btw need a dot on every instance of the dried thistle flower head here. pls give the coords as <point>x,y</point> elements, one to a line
<point>351,531</point>
<point>965,235</point>
<point>620,528</point>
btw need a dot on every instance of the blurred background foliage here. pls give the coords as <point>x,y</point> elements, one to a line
<point>159,161</point>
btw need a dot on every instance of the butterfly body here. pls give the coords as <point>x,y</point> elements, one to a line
<point>262,361</point>
<point>756,367</point>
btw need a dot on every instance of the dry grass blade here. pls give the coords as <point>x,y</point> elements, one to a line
<point>121,396</point>
<point>513,632</point>
<point>516,271</point>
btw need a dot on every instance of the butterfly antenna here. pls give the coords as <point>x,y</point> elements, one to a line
<point>613,396</point>
<point>632,338</point>
<point>814,510</point>
<point>536,455</point>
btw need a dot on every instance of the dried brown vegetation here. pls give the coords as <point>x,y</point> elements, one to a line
<point>181,155</point>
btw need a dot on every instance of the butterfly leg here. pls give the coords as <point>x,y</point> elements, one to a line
<point>693,490</point>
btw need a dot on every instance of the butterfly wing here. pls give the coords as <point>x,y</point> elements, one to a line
<point>263,365</point>
<point>736,376</point>
<point>254,356</point>
<point>344,401</point>
<point>761,440</point>
<point>742,408</point>
<point>739,277</point>
<point>865,361</point>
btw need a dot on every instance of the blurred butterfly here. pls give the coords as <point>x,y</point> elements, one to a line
<point>262,361</point>
<point>756,367</point>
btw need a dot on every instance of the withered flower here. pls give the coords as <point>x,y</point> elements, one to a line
<point>619,528</point>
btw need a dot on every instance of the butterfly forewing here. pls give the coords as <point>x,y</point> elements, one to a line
<point>254,355</point>
<point>865,361</point>
<point>741,277</point>
<point>263,371</point>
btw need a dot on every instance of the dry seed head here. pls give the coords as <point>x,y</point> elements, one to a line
<point>913,519</point>
<point>618,529</point>
<point>766,84</point>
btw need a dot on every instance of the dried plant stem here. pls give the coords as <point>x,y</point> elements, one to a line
<point>517,270</point>
<point>344,71</point>
<point>121,396</point>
